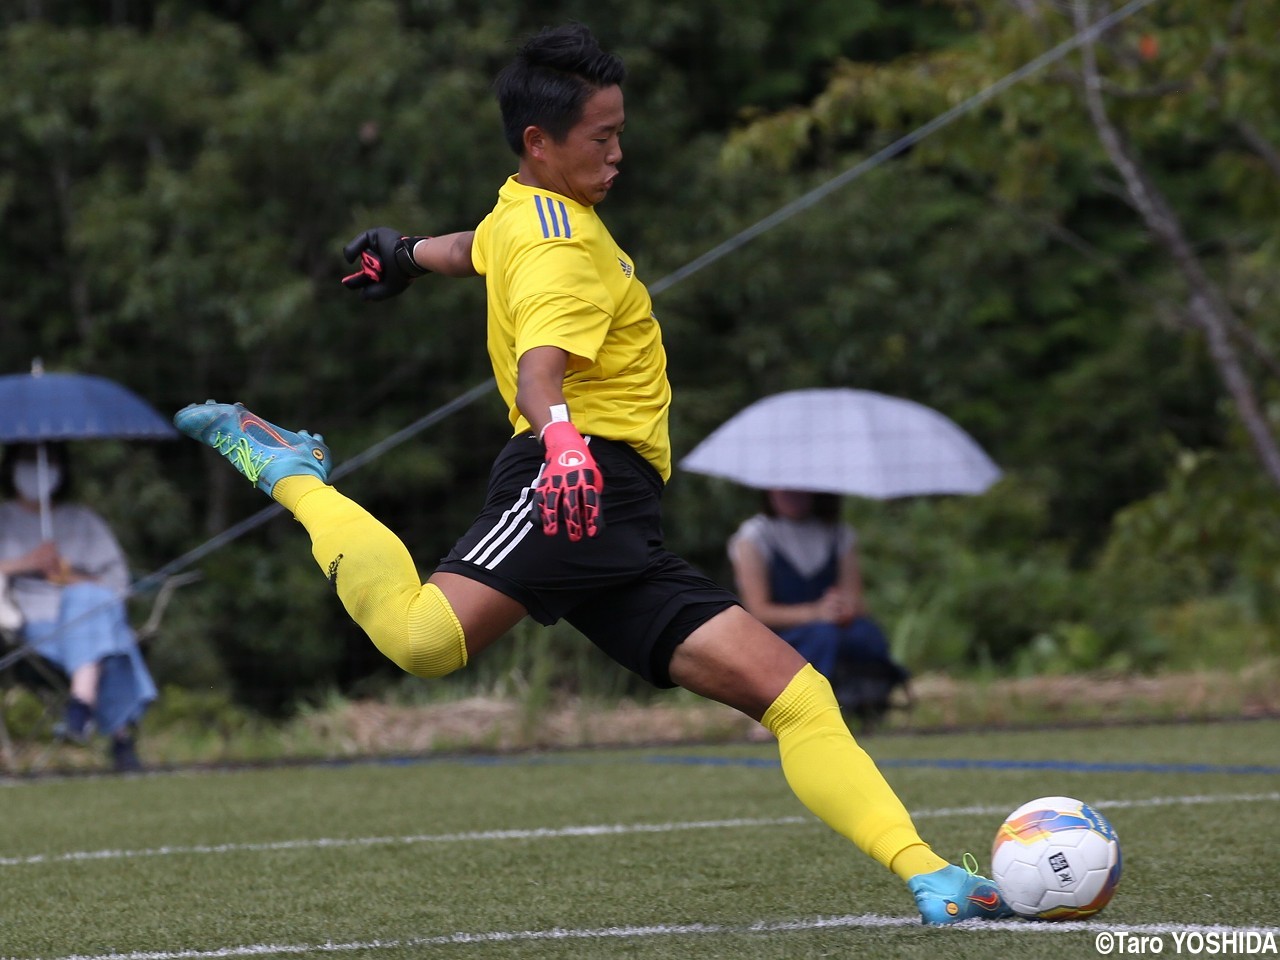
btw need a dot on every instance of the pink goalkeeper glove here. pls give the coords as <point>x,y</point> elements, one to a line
<point>570,486</point>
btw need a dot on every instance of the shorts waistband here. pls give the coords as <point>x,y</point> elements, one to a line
<point>626,452</point>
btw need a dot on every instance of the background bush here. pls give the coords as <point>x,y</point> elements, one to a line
<point>177,179</point>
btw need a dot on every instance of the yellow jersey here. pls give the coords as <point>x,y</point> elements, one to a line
<point>555,277</point>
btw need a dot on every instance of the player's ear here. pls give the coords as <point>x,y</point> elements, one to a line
<point>535,142</point>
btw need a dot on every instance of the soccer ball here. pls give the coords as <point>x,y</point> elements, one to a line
<point>1056,859</point>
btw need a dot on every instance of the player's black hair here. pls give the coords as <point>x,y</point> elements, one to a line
<point>57,454</point>
<point>550,80</point>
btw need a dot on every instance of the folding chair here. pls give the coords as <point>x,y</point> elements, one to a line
<point>23,668</point>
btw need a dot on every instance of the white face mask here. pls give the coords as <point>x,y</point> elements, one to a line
<point>26,480</point>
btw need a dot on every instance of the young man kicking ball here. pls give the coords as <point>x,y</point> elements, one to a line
<point>579,361</point>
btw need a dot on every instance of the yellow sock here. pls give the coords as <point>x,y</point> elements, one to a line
<point>915,860</point>
<point>411,622</point>
<point>289,490</point>
<point>832,775</point>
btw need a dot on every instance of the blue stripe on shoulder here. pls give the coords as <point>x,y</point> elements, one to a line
<point>537,200</point>
<point>554,217</point>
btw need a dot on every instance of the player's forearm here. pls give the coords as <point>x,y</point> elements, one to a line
<point>540,385</point>
<point>449,254</point>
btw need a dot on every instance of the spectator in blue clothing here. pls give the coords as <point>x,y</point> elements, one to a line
<point>796,569</point>
<point>70,591</point>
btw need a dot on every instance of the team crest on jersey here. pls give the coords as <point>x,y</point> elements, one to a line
<point>626,268</point>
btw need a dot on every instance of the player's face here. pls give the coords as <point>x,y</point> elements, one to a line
<point>584,166</point>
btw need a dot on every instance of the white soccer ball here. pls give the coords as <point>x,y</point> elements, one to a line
<point>1056,859</point>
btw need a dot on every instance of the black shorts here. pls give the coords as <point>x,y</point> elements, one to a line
<point>628,594</point>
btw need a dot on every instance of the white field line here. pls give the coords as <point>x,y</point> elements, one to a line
<point>667,930</point>
<point>553,833</point>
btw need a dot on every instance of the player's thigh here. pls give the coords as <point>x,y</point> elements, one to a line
<point>485,613</point>
<point>737,660</point>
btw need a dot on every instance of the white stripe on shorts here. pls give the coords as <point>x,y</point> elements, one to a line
<point>503,537</point>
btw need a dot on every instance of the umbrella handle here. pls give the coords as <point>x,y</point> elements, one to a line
<point>46,509</point>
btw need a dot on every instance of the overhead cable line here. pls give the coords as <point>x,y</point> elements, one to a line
<point>736,242</point>
<point>818,194</point>
<point>800,204</point>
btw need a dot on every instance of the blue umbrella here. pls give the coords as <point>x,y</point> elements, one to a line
<point>40,408</point>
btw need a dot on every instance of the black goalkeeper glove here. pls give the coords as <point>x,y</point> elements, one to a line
<point>387,266</point>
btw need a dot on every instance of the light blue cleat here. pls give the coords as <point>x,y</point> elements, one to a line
<point>260,450</point>
<point>954,894</point>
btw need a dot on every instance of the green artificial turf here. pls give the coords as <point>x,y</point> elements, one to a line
<point>691,853</point>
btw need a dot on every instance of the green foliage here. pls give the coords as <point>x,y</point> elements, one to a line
<point>178,178</point>
<point>1186,580</point>
<point>182,710</point>
<point>535,664</point>
<point>1058,308</point>
<point>1199,559</point>
<point>26,715</point>
<point>965,583</point>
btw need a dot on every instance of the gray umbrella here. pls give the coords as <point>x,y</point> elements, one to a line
<point>40,408</point>
<point>844,441</point>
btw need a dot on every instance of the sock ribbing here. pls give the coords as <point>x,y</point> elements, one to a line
<point>831,774</point>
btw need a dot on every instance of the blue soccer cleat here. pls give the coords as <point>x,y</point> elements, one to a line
<point>260,450</point>
<point>954,894</point>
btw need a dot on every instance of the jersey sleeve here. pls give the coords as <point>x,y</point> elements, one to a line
<point>558,300</point>
<point>478,245</point>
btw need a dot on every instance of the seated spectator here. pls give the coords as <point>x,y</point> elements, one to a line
<point>71,591</point>
<point>796,569</point>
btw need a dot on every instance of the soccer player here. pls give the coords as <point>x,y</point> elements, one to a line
<point>571,524</point>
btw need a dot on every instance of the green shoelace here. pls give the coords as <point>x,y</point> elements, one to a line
<point>241,454</point>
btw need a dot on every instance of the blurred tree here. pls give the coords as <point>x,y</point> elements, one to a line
<point>1058,285</point>
<point>178,178</point>
<point>178,181</point>
<point>1089,334</point>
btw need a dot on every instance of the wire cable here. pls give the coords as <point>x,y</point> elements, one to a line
<point>819,193</point>
<point>736,242</point>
